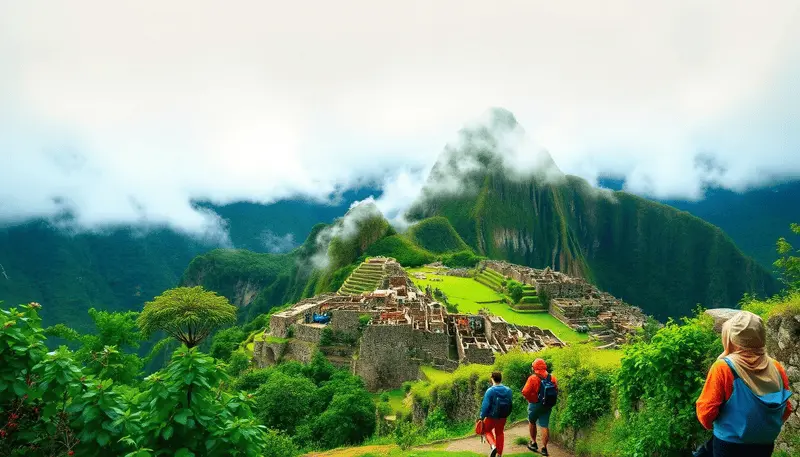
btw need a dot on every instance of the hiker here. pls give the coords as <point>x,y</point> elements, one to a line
<point>541,391</point>
<point>496,407</point>
<point>745,398</point>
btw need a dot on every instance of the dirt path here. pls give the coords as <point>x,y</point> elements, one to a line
<point>474,444</point>
<point>471,444</point>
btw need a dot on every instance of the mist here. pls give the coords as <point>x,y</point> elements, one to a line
<point>115,114</point>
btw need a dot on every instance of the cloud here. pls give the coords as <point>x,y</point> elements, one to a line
<point>343,229</point>
<point>126,113</point>
<point>277,244</point>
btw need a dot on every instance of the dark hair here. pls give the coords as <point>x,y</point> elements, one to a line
<point>497,376</point>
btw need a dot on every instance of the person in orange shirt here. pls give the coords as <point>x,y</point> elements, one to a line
<point>745,398</point>
<point>540,390</point>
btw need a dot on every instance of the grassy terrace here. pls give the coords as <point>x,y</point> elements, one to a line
<point>396,400</point>
<point>466,293</point>
<point>365,278</point>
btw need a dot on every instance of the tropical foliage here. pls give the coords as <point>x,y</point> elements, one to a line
<point>788,262</point>
<point>52,406</point>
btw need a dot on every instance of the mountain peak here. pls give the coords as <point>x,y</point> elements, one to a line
<point>494,143</point>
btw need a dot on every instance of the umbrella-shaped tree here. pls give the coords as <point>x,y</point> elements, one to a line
<point>188,314</point>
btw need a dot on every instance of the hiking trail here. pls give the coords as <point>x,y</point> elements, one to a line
<point>473,444</point>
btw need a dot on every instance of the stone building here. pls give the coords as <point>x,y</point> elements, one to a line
<point>577,303</point>
<point>395,329</point>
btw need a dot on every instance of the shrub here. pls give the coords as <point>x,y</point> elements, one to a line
<point>279,445</point>
<point>406,435</point>
<point>226,341</point>
<point>251,380</point>
<point>666,376</point>
<point>238,362</point>
<point>326,339</point>
<point>515,291</point>
<point>348,420</point>
<point>283,402</point>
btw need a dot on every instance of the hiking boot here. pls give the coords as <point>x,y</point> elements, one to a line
<point>533,447</point>
<point>544,451</point>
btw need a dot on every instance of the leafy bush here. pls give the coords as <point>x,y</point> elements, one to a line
<point>279,445</point>
<point>665,377</point>
<point>238,362</point>
<point>406,435</point>
<point>515,291</point>
<point>348,420</point>
<point>52,407</point>
<point>588,394</point>
<point>283,401</point>
<point>251,380</point>
<point>226,341</point>
<point>775,306</point>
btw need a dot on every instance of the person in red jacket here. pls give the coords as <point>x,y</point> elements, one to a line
<point>537,412</point>
<point>745,398</point>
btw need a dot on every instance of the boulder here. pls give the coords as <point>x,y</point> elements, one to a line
<point>720,316</point>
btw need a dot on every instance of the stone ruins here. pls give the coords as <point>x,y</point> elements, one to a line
<point>386,334</point>
<point>577,303</point>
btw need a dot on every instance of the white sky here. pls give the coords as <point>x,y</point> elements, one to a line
<point>125,113</point>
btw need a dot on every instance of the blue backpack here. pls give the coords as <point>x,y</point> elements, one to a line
<point>502,406</point>
<point>548,392</point>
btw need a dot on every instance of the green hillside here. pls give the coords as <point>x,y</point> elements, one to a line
<point>67,273</point>
<point>437,235</point>
<point>402,249</point>
<point>651,255</point>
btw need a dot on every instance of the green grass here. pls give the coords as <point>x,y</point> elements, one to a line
<point>467,292</point>
<point>434,375</point>
<point>396,400</point>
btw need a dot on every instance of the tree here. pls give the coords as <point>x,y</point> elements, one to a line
<point>283,402</point>
<point>349,419</point>
<point>789,261</point>
<point>515,290</point>
<point>109,352</point>
<point>188,314</point>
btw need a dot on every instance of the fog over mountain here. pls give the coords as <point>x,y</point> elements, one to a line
<point>127,113</point>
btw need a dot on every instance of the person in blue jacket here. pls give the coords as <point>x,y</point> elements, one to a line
<point>496,407</point>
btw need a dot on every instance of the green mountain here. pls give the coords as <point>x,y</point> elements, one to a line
<point>121,268</point>
<point>437,235</point>
<point>256,282</point>
<point>68,274</point>
<point>651,255</point>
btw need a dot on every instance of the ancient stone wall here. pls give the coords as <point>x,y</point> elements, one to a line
<point>309,333</point>
<point>783,343</point>
<point>484,356</point>
<point>279,326</point>
<point>459,272</point>
<point>385,360</point>
<point>432,345</point>
<point>345,322</point>
<point>266,354</point>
